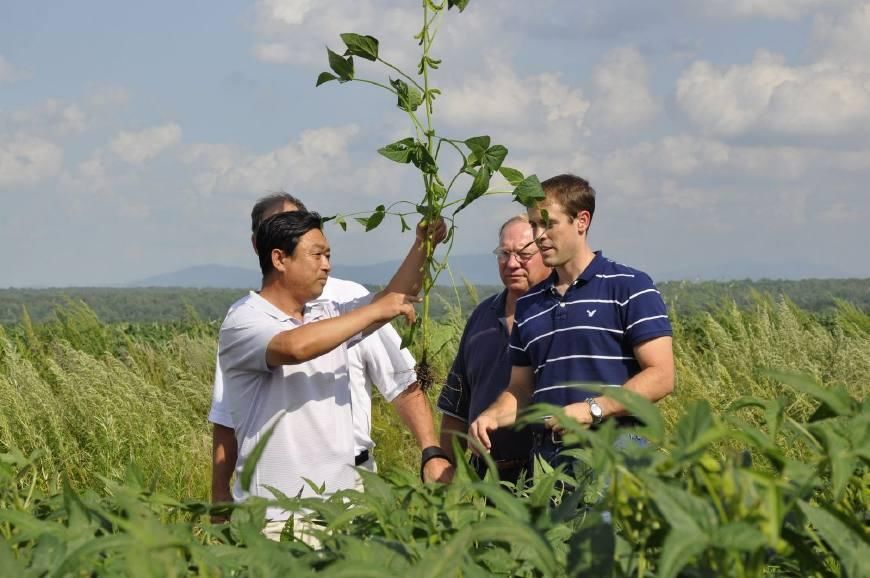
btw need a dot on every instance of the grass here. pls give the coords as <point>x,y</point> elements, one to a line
<point>94,397</point>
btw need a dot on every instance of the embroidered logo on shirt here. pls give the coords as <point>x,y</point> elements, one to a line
<point>591,312</point>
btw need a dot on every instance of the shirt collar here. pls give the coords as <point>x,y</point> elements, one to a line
<point>588,274</point>
<point>260,304</point>
<point>498,304</point>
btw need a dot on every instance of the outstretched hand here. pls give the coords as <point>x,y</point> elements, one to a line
<point>394,304</point>
<point>480,430</point>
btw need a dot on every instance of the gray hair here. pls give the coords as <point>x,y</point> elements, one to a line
<point>520,218</point>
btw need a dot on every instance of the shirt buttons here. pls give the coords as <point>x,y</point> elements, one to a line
<point>562,304</point>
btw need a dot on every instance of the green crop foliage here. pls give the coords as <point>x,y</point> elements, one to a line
<point>477,157</point>
<point>670,509</point>
<point>105,452</point>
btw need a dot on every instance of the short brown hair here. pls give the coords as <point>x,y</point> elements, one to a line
<point>572,192</point>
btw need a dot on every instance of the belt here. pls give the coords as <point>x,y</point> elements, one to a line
<point>361,458</point>
<point>502,464</point>
<point>542,437</point>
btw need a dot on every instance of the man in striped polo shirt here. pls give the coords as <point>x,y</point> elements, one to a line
<point>593,321</point>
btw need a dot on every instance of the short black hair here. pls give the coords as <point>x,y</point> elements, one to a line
<point>283,231</point>
<point>264,204</point>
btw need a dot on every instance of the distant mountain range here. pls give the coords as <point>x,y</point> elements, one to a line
<point>482,270</point>
<point>476,269</point>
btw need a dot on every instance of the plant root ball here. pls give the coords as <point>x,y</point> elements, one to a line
<point>425,375</point>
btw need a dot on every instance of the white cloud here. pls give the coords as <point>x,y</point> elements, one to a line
<point>89,176</point>
<point>8,72</point>
<point>107,97</point>
<point>844,39</point>
<point>317,160</point>
<point>285,11</point>
<point>138,147</point>
<point>769,9</point>
<point>623,99</point>
<point>27,160</point>
<point>501,98</point>
<point>297,30</point>
<point>51,116</point>
<point>814,100</point>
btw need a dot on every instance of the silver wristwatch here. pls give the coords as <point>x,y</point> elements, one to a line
<point>595,410</point>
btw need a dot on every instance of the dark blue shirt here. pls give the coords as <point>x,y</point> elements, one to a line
<point>480,372</point>
<point>587,335</point>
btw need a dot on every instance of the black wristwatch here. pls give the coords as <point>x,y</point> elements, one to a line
<point>431,453</point>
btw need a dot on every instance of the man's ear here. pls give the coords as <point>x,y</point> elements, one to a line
<point>254,244</point>
<point>278,260</point>
<point>582,221</point>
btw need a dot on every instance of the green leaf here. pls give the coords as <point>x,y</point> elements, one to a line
<point>478,187</point>
<point>409,98</point>
<point>405,226</point>
<point>682,510</point>
<point>478,144</point>
<point>838,401</point>
<point>494,157</point>
<point>423,160</point>
<point>741,536</point>
<point>341,66</point>
<point>257,453</point>
<point>839,453</point>
<point>512,176</point>
<point>341,223</point>
<point>696,430</point>
<point>507,530</point>
<point>399,151</point>
<point>359,45</point>
<point>679,548</point>
<point>375,218</point>
<point>325,77</point>
<point>592,548</point>
<point>639,407</point>
<point>845,540</point>
<point>529,191</point>
<point>439,190</point>
<point>460,4</point>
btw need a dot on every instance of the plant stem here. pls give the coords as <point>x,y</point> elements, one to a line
<point>401,72</point>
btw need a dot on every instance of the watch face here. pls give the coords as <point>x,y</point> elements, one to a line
<point>594,408</point>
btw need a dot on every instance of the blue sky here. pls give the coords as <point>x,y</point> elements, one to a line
<point>718,133</point>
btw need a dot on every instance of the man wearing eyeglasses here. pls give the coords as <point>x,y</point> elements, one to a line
<point>482,367</point>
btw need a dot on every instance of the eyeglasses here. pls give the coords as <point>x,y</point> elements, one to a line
<point>504,256</point>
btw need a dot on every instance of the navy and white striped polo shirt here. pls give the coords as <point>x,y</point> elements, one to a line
<point>588,335</point>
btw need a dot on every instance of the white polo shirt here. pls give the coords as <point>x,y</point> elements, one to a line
<point>307,403</point>
<point>375,361</point>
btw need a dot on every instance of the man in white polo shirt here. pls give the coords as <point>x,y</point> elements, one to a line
<point>376,360</point>
<point>285,373</point>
